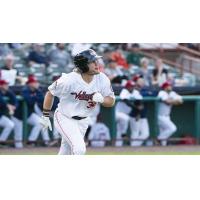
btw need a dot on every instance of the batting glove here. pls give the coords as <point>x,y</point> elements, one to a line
<point>46,123</point>
<point>98,98</point>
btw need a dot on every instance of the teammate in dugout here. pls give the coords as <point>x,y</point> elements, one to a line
<point>79,92</point>
<point>168,98</point>
<point>138,116</point>
<point>34,96</point>
<point>122,112</point>
<point>7,111</point>
<point>136,110</point>
<point>99,134</point>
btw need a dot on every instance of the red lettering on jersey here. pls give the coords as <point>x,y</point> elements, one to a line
<point>82,96</point>
<point>91,104</point>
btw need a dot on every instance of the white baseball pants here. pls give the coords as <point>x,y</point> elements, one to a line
<point>166,128</point>
<point>18,132</point>
<point>72,132</point>
<point>34,120</point>
<point>8,126</point>
<point>122,120</point>
<point>139,131</point>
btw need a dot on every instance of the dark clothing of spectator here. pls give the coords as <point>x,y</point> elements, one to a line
<point>155,72</point>
<point>38,57</point>
<point>119,79</point>
<point>14,45</point>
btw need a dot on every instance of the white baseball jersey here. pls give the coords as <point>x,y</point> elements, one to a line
<point>122,106</point>
<point>75,94</point>
<point>125,94</point>
<point>165,109</point>
<point>136,95</point>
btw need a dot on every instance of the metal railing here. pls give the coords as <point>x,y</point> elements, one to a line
<point>188,59</point>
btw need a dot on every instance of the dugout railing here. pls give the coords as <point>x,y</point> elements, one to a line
<point>185,116</point>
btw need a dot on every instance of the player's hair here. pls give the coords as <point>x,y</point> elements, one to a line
<point>82,59</point>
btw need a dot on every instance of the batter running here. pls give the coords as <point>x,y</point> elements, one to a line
<point>79,92</point>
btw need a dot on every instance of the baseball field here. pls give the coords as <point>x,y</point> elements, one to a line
<point>155,150</point>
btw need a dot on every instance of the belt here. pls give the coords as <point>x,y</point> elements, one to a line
<point>78,118</point>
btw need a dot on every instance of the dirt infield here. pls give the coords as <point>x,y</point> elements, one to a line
<point>156,150</point>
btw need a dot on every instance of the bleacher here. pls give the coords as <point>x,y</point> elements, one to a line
<point>47,74</point>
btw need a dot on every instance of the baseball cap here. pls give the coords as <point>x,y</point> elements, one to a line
<point>136,77</point>
<point>129,84</point>
<point>166,84</point>
<point>3,82</point>
<point>32,79</point>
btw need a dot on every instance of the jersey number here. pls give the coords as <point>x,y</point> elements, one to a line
<point>91,104</point>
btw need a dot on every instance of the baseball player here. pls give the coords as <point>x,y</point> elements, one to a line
<point>79,92</point>
<point>168,98</point>
<point>138,116</point>
<point>17,118</point>
<point>7,110</point>
<point>32,95</point>
<point>122,112</point>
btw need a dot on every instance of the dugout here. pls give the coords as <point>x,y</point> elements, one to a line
<point>186,117</point>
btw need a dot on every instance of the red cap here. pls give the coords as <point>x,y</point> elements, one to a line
<point>3,82</point>
<point>129,84</point>
<point>136,77</point>
<point>165,85</point>
<point>32,79</point>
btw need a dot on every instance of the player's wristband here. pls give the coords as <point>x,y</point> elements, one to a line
<point>46,112</point>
